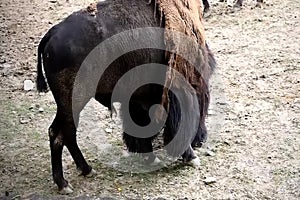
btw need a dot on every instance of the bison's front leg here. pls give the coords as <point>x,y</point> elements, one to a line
<point>142,146</point>
<point>139,145</point>
<point>203,101</point>
<point>201,135</point>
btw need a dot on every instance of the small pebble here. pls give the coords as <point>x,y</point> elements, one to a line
<point>28,85</point>
<point>209,180</point>
<point>227,142</point>
<point>262,76</point>
<point>5,69</point>
<point>209,153</point>
<point>25,120</point>
<point>5,65</point>
<point>108,130</point>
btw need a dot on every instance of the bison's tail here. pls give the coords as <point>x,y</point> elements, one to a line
<point>41,83</point>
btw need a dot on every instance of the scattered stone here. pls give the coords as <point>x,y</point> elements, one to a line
<point>209,153</point>
<point>108,130</point>
<point>24,120</point>
<point>28,85</point>
<point>209,180</point>
<point>211,112</point>
<point>222,103</point>
<point>226,142</point>
<point>6,65</point>
<point>2,147</point>
<point>5,69</point>
<point>262,76</point>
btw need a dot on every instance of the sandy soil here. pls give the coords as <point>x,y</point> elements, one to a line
<point>253,149</point>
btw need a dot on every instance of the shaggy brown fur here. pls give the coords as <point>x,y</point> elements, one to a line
<point>184,16</point>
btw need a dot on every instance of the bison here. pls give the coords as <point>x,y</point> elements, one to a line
<point>63,50</point>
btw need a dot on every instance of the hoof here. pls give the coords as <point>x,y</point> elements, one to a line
<point>237,5</point>
<point>126,154</point>
<point>66,190</point>
<point>156,161</point>
<point>207,14</point>
<point>195,162</point>
<point>197,144</point>
<point>259,5</point>
<point>91,174</point>
<point>148,158</point>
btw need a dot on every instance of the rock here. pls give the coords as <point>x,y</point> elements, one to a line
<point>226,142</point>
<point>24,120</point>
<point>297,100</point>
<point>211,112</point>
<point>108,130</point>
<point>209,153</point>
<point>41,109</point>
<point>5,69</point>
<point>28,85</point>
<point>6,65</point>
<point>222,103</point>
<point>262,76</point>
<point>209,180</point>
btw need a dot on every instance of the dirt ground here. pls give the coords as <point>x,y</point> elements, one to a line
<point>253,149</point>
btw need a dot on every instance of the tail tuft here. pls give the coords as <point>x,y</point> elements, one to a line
<point>41,83</point>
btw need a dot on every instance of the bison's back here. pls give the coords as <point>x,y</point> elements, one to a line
<point>72,39</point>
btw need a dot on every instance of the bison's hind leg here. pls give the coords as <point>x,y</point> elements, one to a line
<point>201,136</point>
<point>62,131</point>
<point>142,146</point>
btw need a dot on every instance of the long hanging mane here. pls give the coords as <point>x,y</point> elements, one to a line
<point>184,16</point>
